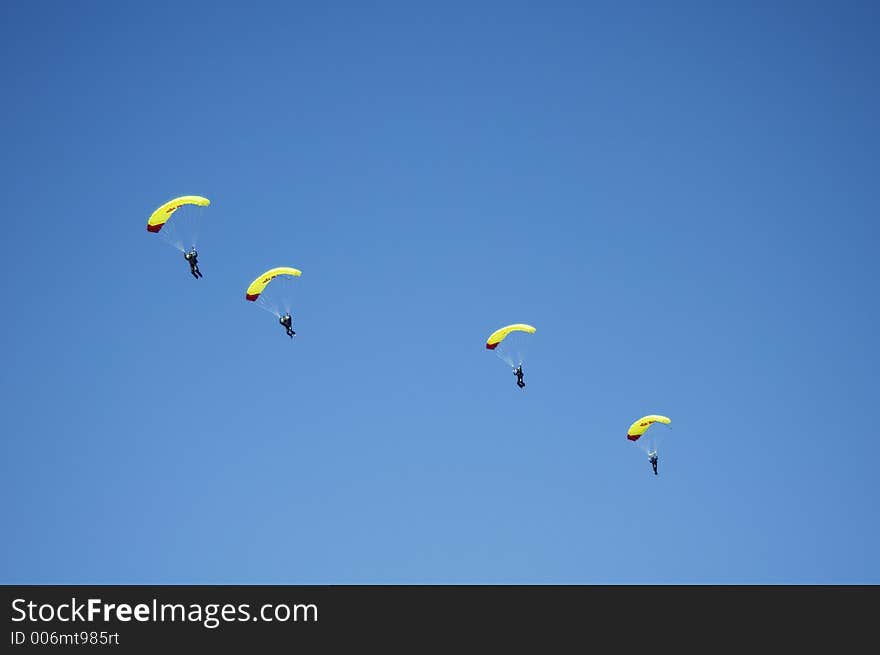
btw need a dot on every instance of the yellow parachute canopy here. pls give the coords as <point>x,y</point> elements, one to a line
<point>257,286</point>
<point>159,217</point>
<point>498,335</point>
<point>638,428</point>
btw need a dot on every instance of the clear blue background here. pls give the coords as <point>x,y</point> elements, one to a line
<point>682,199</point>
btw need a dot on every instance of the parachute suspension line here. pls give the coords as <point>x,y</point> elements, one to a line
<point>266,306</point>
<point>503,355</point>
<point>195,228</point>
<point>512,350</point>
<point>169,235</point>
<point>269,300</point>
<point>285,294</point>
<point>181,231</point>
<point>188,226</point>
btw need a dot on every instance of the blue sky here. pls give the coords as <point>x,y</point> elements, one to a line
<point>682,199</point>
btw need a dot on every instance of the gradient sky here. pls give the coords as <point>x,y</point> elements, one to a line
<point>681,198</point>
